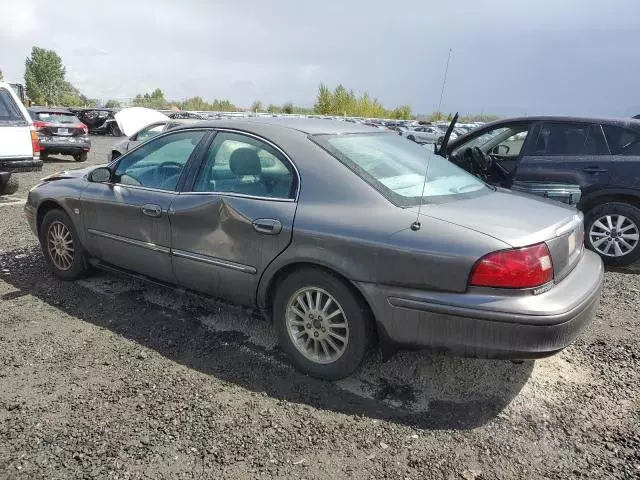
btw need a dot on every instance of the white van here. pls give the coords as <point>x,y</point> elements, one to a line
<point>19,146</point>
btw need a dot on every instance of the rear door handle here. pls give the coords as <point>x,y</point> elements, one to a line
<point>595,170</point>
<point>151,210</point>
<point>267,226</point>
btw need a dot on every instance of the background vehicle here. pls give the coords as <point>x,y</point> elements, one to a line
<point>242,210</point>
<point>123,146</point>
<point>99,121</point>
<point>19,145</point>
<point>60,132</point>
<point>591,163</point>
<point>424,134</point>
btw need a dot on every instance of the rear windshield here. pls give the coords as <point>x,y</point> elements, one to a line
<point>9,111</point>
<point>56,117</point>
<point>397,166</point>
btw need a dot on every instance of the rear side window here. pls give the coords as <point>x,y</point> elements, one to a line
<point>56,117</point>
<point>620,139</point>
<point>566,139</point>
<point>9,111</point>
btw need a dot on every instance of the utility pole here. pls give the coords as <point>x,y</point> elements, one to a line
<point>444,81</point>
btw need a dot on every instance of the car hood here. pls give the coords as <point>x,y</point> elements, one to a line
<point>74,173</point>
<point>130,120</point>
<point>513,218</point>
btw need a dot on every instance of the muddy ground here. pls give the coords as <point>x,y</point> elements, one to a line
<point>111,378</point>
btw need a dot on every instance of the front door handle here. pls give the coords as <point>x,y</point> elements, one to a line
<point>267,226</point>
<point>151,210</point>
<point>595,170</point>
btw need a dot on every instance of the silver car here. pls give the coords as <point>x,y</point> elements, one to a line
<point>423,134</point>
<point>335,233</point>
<point>123,146</point>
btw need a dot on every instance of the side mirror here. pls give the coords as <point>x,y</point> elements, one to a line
<point>100,175</point>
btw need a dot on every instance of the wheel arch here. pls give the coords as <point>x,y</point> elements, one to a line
<point>269,285</point>
<point>45,207</point>
<point>590,201</point>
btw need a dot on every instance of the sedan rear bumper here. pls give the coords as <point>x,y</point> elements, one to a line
<point>65,146</point>
<point>487,324</point>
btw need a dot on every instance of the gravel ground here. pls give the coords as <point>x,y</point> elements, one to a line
<point>110,378</point>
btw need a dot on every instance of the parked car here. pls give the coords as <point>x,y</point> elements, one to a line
<point>60,132</point>
<point>423,134</point>
<point>186,116</point>
<point>241,209</point>
<point>144,134</point>
<point>19,145</point>
<point>591,163</point>
<point>99,121</point>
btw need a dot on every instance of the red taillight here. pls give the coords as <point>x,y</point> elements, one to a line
<point>40,124</point>
<point>527,267</point>
<point>35,143</point>
<point>84,128</point>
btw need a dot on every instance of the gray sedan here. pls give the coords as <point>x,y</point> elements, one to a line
<point>332,230</point>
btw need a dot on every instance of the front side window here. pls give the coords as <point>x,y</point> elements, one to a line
<point>159,163</point>
<point>565,139</point>
<point>244,165</point>
<point>397,168</point>
<point>620,139</point>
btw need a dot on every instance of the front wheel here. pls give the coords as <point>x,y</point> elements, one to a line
<point>61,247</point>
<point>321,324</point>
<point>10,187</point>
<point>613,231</point>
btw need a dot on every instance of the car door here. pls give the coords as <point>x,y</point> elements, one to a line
<point>126,219</point>
<point>236,219</point>
<point>565,161</point>
<point>145,134</point>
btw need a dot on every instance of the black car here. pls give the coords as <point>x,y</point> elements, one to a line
<point>100,121</point>
<point>592,163</point>
<point>60,132</point>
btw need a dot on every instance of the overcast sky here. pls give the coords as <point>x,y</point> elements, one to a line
<point>508,57</point>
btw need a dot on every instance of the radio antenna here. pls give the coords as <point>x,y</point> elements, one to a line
<point>415,226</point>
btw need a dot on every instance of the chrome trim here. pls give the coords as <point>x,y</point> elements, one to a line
<point>240,195</point>
<point>140,187</point>
<point>213,261</point>
<point>130,241</point>
<point>268,142</point>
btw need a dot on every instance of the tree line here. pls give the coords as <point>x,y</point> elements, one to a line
<point>46,84</point>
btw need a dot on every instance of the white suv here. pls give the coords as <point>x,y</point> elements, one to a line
<point>19,146</point>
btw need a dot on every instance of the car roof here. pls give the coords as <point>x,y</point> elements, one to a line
<point>49,110</point>
<point>310,126</point>
<point>629,122</point>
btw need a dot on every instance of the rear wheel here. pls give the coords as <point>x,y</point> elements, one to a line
<point>80,157</point>
<point>613,232</point>
<point>412,138</point>
<point>61,247</point>
<point>44,156</point>
<point>321,324</point>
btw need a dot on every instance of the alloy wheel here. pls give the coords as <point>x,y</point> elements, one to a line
<point>60,245</point>
<point>317,325</point>
<point>614,235</point>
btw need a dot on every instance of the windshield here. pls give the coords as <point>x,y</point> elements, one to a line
<point>57,117</point>
<point>397,166</point>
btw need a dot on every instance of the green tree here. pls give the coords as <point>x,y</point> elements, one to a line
<point>287,107</point>
<point>324,101</point>
<point>112,104</point>
<point>1,76</point>
<point>155,99</point>
<point>256,106</point>
<point>44,76</point>
<point>273,108</point>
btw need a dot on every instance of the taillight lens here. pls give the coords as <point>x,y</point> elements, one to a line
<point>84,128</point>
<point>527,267</point>
<point>35,143</point>
<point>40,124</point>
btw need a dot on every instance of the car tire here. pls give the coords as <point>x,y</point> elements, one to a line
<point>10,187</point>
<point>629,218</point>
<point>412,138</point>
<point>44,156</point>
<point>80,157</point>
<point>55,232</point>
<point>351,311</point>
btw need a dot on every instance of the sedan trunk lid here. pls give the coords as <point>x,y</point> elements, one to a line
<point>519,220</point>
